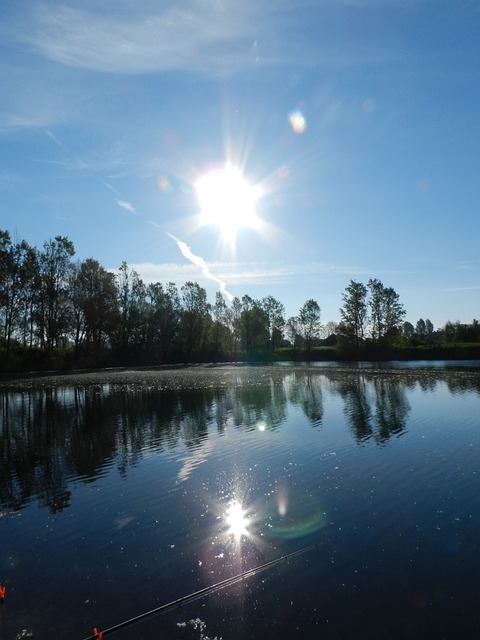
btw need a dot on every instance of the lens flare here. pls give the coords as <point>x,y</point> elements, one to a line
<point>164,184</point>
<point>297,122</point>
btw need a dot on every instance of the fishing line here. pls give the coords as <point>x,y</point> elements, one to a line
<point>201,593</point>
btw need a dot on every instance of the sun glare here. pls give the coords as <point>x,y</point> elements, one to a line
<point>236,520</point>
<point>227,201</point>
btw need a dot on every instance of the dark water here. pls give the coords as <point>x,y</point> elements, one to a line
<point>115,490</point>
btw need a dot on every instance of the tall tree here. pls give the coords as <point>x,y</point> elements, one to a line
<point>309,322</point>
<point>132,307</point>
<point>52,310</point>
<point>220,324</point>
<point>428,327</point>
<point>254,325</point>
<point>394,314</point>
<point>5,269</point>
<point>386,312</point>
<point>235,323</point>
<point>420,328</point>
<point>292,330</point>
<point>354,313</point>
<point>15,271</point>
<point>408,329</point>
<point>275,318</point>
<point>195,318</point>
<point>31,293</point>
<point>165,310</point>
<point>93,295</point>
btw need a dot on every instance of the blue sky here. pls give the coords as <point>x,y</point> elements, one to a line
<point>112,111</point>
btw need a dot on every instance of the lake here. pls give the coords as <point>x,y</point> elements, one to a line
<point>122,491</point>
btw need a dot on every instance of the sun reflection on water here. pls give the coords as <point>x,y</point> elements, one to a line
<point>236,520</point>
<point>250,530</point>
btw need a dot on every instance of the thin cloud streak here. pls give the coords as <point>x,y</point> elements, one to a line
<point>128,206</point>
<point>58,142</point>
<point>454,289</point>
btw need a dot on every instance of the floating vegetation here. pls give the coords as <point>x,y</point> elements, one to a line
<point>197,625</point>
<point>25,633</point>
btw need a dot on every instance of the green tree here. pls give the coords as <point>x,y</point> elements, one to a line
<point>93,296</point>
<point>52,313</point>
<point>428,327</point>
<point>221,331</point>
<point>408,330</point>
<point>354,314</point>
<point>15,271</point>
<point>165,312</point>
<point>30,295</point>
<point>292,331</point>
<point>275,312</point>
<point>132,308</point>
<point>449,331</point>
<point>254,326</point>
<point>309,323</point>
<point>5,270</point>
<point>475,330</point>
<point>420,328</point>
<point>386,312</point>
<point>235,325</point>
<point>195,319</point>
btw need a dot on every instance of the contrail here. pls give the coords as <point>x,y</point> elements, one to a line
<point>200,262</point>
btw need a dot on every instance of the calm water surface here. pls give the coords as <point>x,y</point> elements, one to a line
<point>116,494</point>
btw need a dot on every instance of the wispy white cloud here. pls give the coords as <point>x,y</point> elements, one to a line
<point>30,98</point>
<point>8,180</point>
<point>27,117</point>
<point>120,200</point>
<point>100,159</point>
<point>111,187</point>
<point>128,206</point>
<point>239,274</point>
<point>150,39</point>
<point>207,37</point>
<point>471,265</point>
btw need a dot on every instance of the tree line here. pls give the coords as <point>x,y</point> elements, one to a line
<point>55,311</point>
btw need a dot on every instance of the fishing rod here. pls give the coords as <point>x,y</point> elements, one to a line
<point>201,593</point>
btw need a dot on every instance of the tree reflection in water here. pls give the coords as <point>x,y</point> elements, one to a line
<point>376,407</point>
<point>52,434</point>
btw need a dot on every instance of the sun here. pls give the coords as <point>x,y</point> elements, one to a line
<point>228,201</point>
